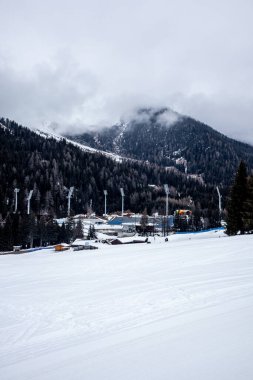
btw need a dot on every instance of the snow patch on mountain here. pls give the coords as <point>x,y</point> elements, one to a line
<point>117,141</point>
<point>3,126</point>
<point>85,148</point>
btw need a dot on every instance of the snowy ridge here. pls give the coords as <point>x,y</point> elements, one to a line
<point>114,156</point>
<point>48,134</point>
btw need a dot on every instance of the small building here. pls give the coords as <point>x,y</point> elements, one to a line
<point>80,245</point>
<point>61,247</point>
<point>129,240</point>
<point>183,220</point>
<point>17,248</point>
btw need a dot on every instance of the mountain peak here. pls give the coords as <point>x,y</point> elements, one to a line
<point>155,134</point>
<point>160,115</point>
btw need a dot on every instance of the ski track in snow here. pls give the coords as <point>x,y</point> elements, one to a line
<point>74,313</point>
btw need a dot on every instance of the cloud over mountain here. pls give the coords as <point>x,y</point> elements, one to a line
<point>89,64</point>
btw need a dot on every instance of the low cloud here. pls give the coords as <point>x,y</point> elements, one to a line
<point>169,117</point>
<point>60,96</point>
<point>49,94</point>
<point>230,115</point>
<point>95,63</point>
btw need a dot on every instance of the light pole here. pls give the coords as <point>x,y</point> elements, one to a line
<point>166,189</point>
<point>122,200</point>
<point>28,201</point>
<point>70,193</point>
<point>219,195</point>
<point>105,194</point>
<point>16,191</point>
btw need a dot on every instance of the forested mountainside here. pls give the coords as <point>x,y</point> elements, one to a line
<point>49,167</point>
<point>184,143</point>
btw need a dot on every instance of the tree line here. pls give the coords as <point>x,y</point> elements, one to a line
<point>240,203</point>
<point>28,231</point>
<point>49,167</point>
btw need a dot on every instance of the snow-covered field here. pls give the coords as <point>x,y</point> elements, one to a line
<point>176,310</point>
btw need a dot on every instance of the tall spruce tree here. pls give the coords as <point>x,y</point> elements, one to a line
<point>236,202</point>
<point>248,207</point>
<point>78,230</point>
<point>91,232</point>
<point>6,243</point>
<point>144,221</point>
<point>62,236</point>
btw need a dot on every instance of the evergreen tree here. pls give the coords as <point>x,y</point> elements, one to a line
<point>62,236</point>
<point>236,202</point>
<point>91,232</point>
<point>30,230</point>
<point>69,230</point>
<point>78,230</point>
<point>1,238</point>
<point>247,215</point>
<point>17,229</point>
<point>7,235</point>
<point>52,229</point>
<point>197,217</point>
<point>42,230</point>
<point>144,221</point>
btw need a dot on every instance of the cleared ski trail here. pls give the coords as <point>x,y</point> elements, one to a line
<point>177,310</point>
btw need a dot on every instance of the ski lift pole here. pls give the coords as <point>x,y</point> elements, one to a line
<point>70,193</point>
<point>219,195</point>
<point>16,191</point>
<point>105,194</point>
<point>28,201</point>
<point>166,188</point>
<point>122,200</point>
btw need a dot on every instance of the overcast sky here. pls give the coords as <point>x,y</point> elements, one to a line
<point>81,63</point>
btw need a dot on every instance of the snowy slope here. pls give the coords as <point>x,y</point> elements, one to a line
<point>117,140</point>
<point>85,148</point>
<point>176,310</point>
